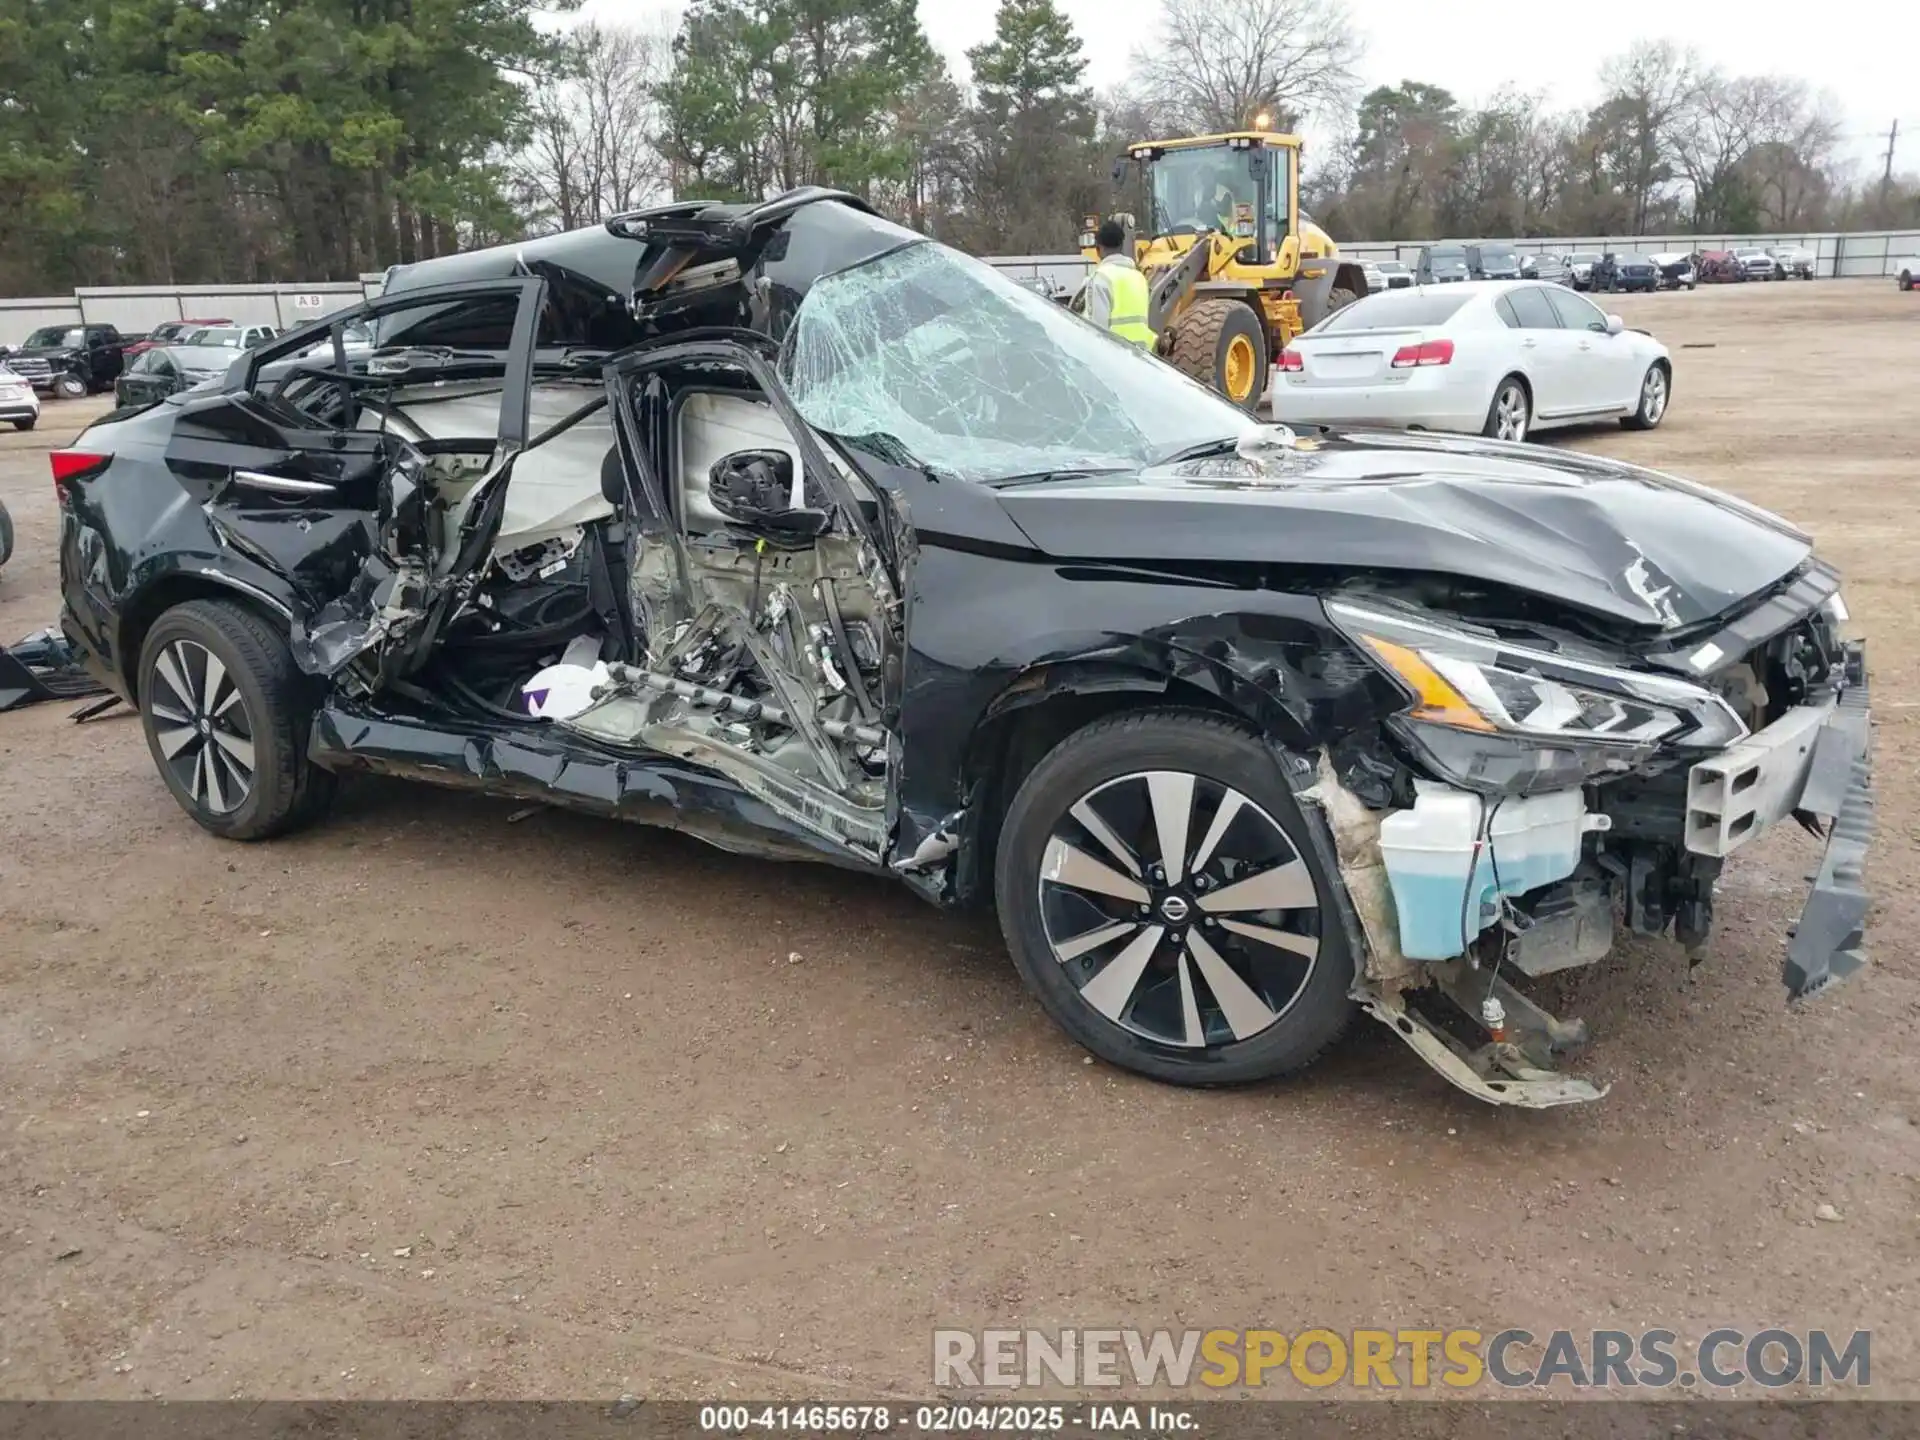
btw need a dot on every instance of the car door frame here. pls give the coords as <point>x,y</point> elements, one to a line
<point>754,353</point>
<point>655,505</point>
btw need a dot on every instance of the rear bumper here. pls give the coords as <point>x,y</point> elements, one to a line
<point>18,410</point>
<point>1396,407</point>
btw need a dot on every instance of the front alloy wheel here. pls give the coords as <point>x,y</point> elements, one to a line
<point>1655,390</point>
<point>1161,898</point>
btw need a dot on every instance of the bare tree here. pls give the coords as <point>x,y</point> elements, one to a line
<point>1647,90</point>
<point>1219,64</point>
<point>1723,120</point>
<point>590,151</point>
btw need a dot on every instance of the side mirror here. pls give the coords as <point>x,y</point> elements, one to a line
<point>1615,324</point>
<point>754,488</point>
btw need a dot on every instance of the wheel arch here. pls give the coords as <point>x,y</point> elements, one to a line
<point>1043,704</point>
<point>176,587</point>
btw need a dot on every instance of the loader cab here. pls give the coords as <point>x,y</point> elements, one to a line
<point>1242,186</point>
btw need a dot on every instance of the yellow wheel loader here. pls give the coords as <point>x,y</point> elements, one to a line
<point>1234,270</point>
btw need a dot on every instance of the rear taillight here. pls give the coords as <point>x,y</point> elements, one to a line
<point>71,465</point>
<point>1433,352</point>
<point>1292,361</point>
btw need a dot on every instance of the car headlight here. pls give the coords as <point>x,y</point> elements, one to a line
<point>1503,719</point>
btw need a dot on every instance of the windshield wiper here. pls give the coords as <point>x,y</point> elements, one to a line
<point>1065,472</point>
<point>1225,445</point>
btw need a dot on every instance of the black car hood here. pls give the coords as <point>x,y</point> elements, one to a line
<point>1630,544</point>
<point>43,352</point>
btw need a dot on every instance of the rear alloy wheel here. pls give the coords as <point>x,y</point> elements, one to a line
<point>70,387</point>
<point>1656,388</point>
<point>222,705</point>
<point>1161,897</point>
<point>1510,416</point>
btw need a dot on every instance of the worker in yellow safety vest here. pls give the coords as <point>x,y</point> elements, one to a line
<point>1117,291</point>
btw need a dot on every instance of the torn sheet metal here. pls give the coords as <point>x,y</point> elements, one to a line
<point>553,768</point>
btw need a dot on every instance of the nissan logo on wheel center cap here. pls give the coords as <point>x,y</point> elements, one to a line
<point>1175,910</point>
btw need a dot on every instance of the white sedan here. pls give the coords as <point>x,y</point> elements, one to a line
<point>1498,357</point>
<point>18,403</point>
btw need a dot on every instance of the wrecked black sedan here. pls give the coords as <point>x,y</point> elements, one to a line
<point>794,530</point>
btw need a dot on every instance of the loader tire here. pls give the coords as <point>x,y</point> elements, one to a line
<point>1221,343</point>
<point>1339,299</point>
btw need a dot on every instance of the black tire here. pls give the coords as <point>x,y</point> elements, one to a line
<point>1654,398</point>
<point>70,386</point>
<point>1205,336</point>
<point>1509,391</point>
<point>1307,992</point>
<point>6,535</point>
<point>1906,280</point>
<point>283,789</point>
<point>1339,298</point>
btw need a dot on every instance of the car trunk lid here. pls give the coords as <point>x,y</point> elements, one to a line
<point>1354,358</point>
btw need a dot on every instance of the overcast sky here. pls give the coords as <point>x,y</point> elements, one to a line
<point>1472,47</point>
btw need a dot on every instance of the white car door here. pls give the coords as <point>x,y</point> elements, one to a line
<point>1605,368</point>
<point>1545,348</point>
<point>1608,363</point>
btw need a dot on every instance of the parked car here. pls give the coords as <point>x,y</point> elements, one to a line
<point>157,374</point>
<point>1792,262</point>
<point>1493,260</point>
<point>1398,276</point>
<point>18,404</point>
<point>1676,270</point>
<point>171,332</point>
<point>1619,272</point>
<point>1442,264</point>
<point>356,340</point>
<point>1550,268</point>
<point>232,337</point>
<point>882,604</point>
<point>1580,266</point>
<point>1720,267</point>
<point>70,360</point>
<point>1495,358</point>
<point>1755,261</point>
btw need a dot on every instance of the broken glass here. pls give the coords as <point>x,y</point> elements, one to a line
<point>982,379</point>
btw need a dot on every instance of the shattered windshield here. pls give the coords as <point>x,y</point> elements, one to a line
<point>928,351</point>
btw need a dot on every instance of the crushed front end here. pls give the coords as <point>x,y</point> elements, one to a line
<point>1541,789</point>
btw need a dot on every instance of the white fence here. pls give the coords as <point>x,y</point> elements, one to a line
<point>138,308</point>
<point>1861,255</point>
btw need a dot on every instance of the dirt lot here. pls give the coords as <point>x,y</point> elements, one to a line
<point>429,1102</point>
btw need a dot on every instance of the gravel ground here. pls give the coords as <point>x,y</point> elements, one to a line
<point>427,1102</point>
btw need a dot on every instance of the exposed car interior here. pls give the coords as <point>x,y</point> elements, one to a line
<point>703,603</point>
